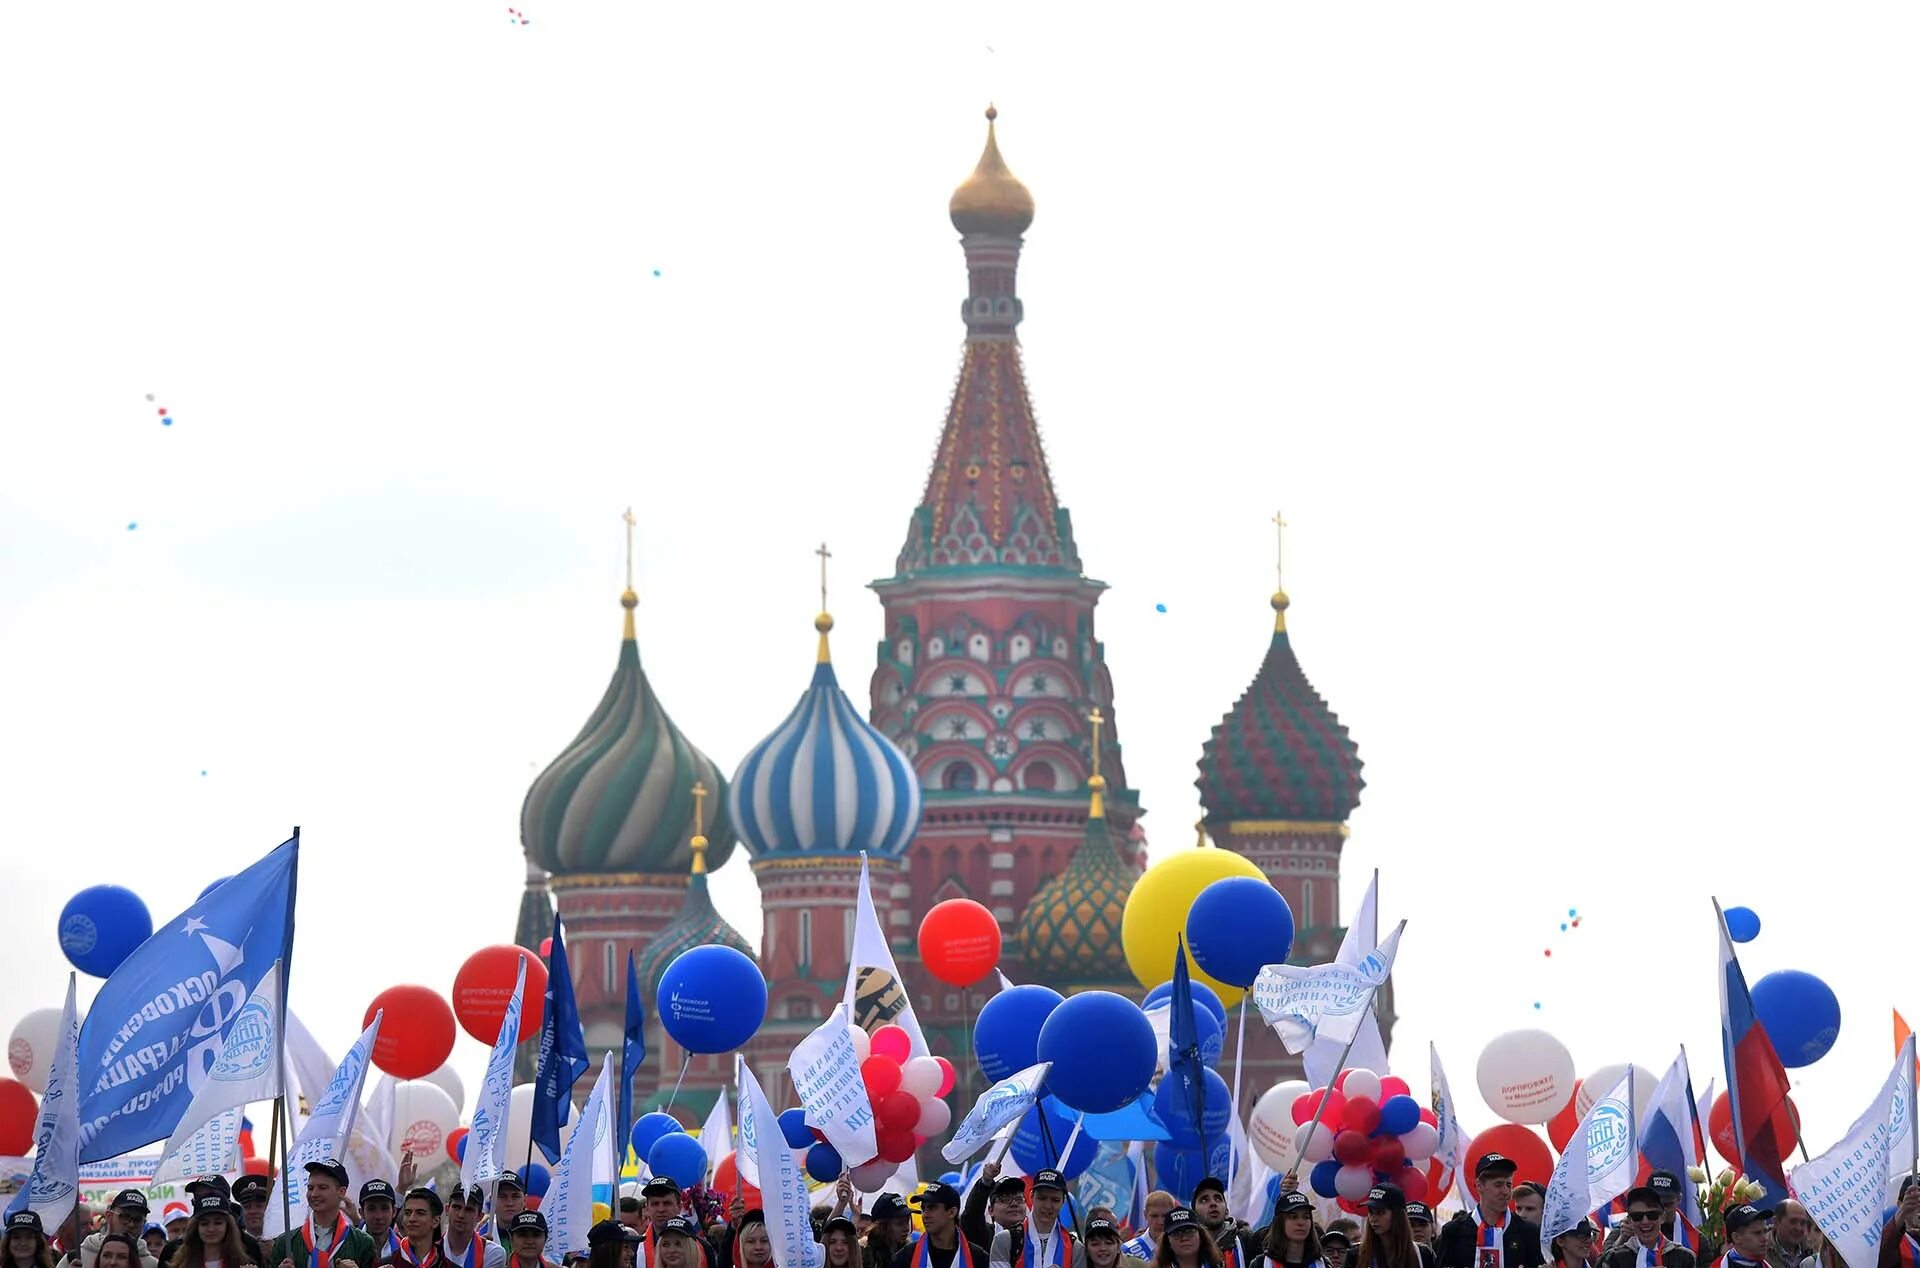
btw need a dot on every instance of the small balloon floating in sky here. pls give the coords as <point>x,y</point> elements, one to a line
<point>1572,912</point>
<point>515,16</point>
<point>1563,926</point>
<point>1549,953</point>
<point>165,421</point>
<point>132,524</point>
<point>656,272</point>
<point>1536,1005</point>
<point>1159,607</point>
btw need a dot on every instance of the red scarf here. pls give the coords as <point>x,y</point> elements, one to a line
<point>317,1258</point>
<point>963,1255</point>
<point>1909,1251</point>
<point>1230,1252</point>
<point>406,1255</point>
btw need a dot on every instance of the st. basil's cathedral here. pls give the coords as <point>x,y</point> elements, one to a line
<point>967,777</point>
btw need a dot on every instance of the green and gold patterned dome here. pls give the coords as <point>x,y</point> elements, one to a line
<point>1070,931</point>
<point>620,798</point>
<point>697,924</point>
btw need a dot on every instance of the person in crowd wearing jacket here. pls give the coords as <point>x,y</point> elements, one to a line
<point>941,1245</point>
<point>462,1246</point>
<point>1900,1241</point>
<point>1387,1240</point>
<point>1420,1221</point>
<point>324,1239</point>
<point>1042,1241</point>
<point>1184,1242</point>
<point>526,1235</point>
<point>1791,1245</point>
<point>993,1204</point>
<point>1493,1236</point>
<point>26,1243</point>
<point>1647,1245</point>
<point>1159,1202</point>
<point>127,1214</point>
<point>213,1239</point>
<point>1746,1237</point>
<point>1229,1236</point>
<point>892,1228</point>
<point>1574,1247</point>
<point>1103,1246</point>
<point>420,1245</point>
<point>1292,1240</point>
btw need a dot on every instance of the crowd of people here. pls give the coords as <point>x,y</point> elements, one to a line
<point>1002,1222</point>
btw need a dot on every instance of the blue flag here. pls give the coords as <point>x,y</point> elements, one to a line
<point>160,1022</point>
<point>1185,1065</point>
<point>633,1051</point>
<point>563,1052</point>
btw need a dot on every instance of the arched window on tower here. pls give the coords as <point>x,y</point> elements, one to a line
<point>805,953</point>
<point>960,777</point>
<point>1040,777</point>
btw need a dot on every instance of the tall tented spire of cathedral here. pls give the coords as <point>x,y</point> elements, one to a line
<point>989,500</point>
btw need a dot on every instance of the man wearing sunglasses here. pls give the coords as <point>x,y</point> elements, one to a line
<point>1647,1246</point>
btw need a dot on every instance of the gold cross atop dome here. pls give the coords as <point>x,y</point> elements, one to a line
<point>628,599</point>
<point>1095,781</point>
<point>699,842</point>
<point>1279,600</point>
<point>823,622</point>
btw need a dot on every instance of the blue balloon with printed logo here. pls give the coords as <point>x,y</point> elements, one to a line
<point>711,998</point>
<point>824,1163</point>
<point>1177,1168</point>
<point>1237,926</point>
<point>537,1179</point>
<point>101,925</point>
<point>1174,1105</point>
<point>1036,1150</point>
<point>649,1128</point>
<point>1007,1033</point>
<point>793,1125</point>
<point>678,1155</point>
<point>1801,1015</point>
<point>1206,1027</point>
<point>1202,994</point>
<point>1103,1051</point>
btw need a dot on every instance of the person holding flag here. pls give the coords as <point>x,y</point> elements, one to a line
<point>941,1245</point>
<point>1649,1246</point>
<point>1493,1236</point>
<point>462,1246</point>
<point>325,1239</point>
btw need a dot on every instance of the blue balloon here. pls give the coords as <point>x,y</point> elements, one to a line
<point>950,1177</point>
<point>679,1155</point>
<point>1743,923</point>
<point>793,1125</point>
<point>1007,1032</point>
<point>1398,1115</point>
<point>1103,1051</point>
<point>100,926</point>
<point>649,1128</point>
<point>1237,926</point>
<point>1174,1104</point>
<point>1178,1169</point>
<point>1030,1147</point>
<point>823,1162</point>
<point>537,1179</point>
<point>460,1150</point>
<point>711,999</point>
<point>1801,1015</point>
<point>1321,1178</point>
<point>1202,994</point>
<point>215,885</point>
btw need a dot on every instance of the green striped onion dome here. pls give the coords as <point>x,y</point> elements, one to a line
<point>1070,931</point>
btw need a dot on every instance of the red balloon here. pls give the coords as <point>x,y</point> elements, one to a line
<point>19,1114</point>
<point>533,1201</point>
<point>897,1112</point>
<point>454,1138</point>
<point>1436,1191</point>
<point>895,1146</point>
<point>1351,1207</point>
<point>1303,1109</point>
<point>1413,1182</point>
<point>1428,1117</point>
<point>1560,1126</point>
<point>546,947</point>
<point>416,1035</point>
<point>1361,1115</point>
<point>1781,1126</point>
<point>726,1179</point>
<point>959,941</point>
<point>1340,1080</point>
<point>1351,1148</point>
<point>1389,1154</point>
<point>882,1077</point>
<point>1528,1152</point>
<point>484,985</point>
<point>256,1167</point>
<point>947,1076</point>
<point>1392,1085</point>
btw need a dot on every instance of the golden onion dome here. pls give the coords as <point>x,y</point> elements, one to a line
<point>992,200</point>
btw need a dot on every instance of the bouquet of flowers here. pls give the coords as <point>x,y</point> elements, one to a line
<point>1726,1191</point>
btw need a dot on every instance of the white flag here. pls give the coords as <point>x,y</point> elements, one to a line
<point>207,1139</point>
<point>329,1126</point>
<point>569,1200</point>
<point>1452,1139</point>
<point>777,1174</point>
<point>825,1068</point>
<point>55,1182</point>
<point>1597,1167</point>
<point>1325,1001</point>
<point>716,1134</point>
<point>870,951</point>
<point>487,1134</point>
<point>999,1107</point>
<point>1322,1060</point>
<point>1844,1189</point>
<point>309,1069</point>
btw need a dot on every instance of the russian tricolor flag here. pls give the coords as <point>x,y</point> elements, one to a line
<point>1670,1137</point>
<point>1756,1081</point>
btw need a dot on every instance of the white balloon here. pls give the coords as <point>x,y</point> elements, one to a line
<point>1317,1147</point>
<point>1361,1083</point>
<point>1526,1076</point>
<point>520,1127</point>
<point>448,1081</point>
<point>30,1050</point>
<point>862,1043</point>
<point>921,1076</point>
<point>1271,1129</point>
<point>934,1117</point>
<point>1420,1141</point>
<point>1602,1081</point>
<point>1353,1183</point>
<point>868,1177</point>
<point>423,1115</point>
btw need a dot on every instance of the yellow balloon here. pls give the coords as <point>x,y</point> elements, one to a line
<point>1156,914</point>
<point>601,1211</point>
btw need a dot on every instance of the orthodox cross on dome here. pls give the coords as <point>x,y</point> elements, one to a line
<point>1279,550</point>
<point>1094,781</point>
<point>626,517</point>
<point>825,555</point>
<point>699,842</point>
<point>823,622</point>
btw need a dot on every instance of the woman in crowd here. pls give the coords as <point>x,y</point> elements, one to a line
<point>117,1250</point>
<point>1573,1248</point>
<point>1184,1243</point>
<point>213,1239</point>
<point>840,1240</point>
<point>1387,1240</point>
<point>1292,1241</point>
<point>26,1244</point>
<point>752,1248</point>
<point>1103,1245</point>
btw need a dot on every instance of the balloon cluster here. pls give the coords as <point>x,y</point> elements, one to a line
<point>905,1093</point>
<point>1371,1132</point>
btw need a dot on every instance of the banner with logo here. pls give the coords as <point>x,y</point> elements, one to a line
<point>1325,1001</point>
<point>569,1200</point>
<point>876,993</point>
<point>207,1138</point>
<point>769,1165</point>
<point>487,1135</point>
<point>1000,1106</point>
<point>328,1127</point>
<point>1844,1189</point>
<point>825,1067</point>
<point>1597,1167</point>
<point>56,1139</point>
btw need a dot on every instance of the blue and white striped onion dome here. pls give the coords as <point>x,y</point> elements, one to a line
<point>825,782</point>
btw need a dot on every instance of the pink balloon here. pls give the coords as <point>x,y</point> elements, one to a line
<point>1353,1183</point>
<point>946,1076</point>
<point>934,1118</point>
<point>892,1042</point>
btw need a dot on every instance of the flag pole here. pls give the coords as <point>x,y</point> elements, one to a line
<point>1320,1110</point>
<point>281,1133</point>
<point>1239,1051</point>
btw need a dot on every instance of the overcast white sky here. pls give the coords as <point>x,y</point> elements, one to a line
<point>1577,343</point>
